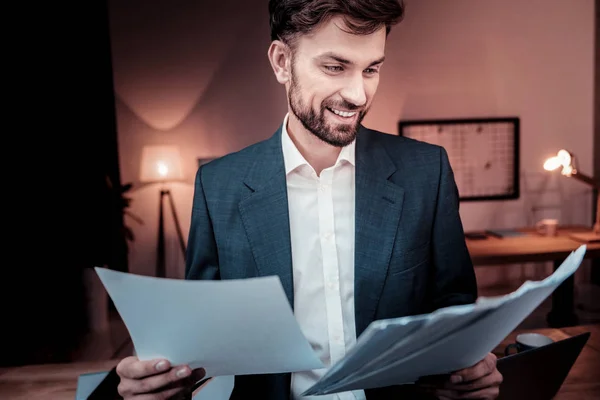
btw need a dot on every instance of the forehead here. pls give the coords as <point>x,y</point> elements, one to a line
<point>332,37</point>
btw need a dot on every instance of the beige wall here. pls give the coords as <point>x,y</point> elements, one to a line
<point>194,74</point>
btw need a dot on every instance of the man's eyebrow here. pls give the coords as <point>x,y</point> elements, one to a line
<point>378,61</point>
<point>342,60</point>
<point>334,57</point>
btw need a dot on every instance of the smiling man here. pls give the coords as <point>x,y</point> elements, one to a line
<point>359,225</point>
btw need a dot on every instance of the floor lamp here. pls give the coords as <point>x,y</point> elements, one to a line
<point>162,164</point>
<point>568,164</point>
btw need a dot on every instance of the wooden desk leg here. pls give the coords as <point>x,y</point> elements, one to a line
<point>563,304</point>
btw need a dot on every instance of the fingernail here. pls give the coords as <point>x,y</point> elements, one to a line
<point>161,366</point>
<point>183,372</point>
<point>456,379</point>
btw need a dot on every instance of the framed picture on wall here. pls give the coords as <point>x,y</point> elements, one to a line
<point>483,153</point>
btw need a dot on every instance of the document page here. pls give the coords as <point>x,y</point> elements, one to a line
<point>228,327</point>
<point>446,340</point>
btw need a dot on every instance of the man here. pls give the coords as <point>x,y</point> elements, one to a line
<point>357,224</point>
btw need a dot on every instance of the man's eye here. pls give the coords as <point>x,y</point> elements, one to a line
<point>333,68</point>
<point>371,71</point>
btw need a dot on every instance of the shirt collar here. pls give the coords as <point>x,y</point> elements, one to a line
<point>294,159</point>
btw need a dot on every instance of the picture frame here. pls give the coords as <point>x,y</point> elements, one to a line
<point>484,153</point>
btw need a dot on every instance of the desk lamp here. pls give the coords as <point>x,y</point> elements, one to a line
<point>162,164</point>
<point>568,163</point>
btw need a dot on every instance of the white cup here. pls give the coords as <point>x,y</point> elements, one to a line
<point>528,341</point>
<point>547,227</point>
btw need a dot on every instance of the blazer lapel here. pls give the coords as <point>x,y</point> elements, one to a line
<point>265,216</point>
<point>377,214</point>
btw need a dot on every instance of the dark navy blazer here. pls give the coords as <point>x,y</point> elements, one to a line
<point>410,252</point>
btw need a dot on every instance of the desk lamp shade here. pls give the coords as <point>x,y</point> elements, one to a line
<point>562,160</point>
<point>160,164</point>
<point>567,163</point>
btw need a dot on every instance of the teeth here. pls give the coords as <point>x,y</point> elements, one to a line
<point>343,113</point>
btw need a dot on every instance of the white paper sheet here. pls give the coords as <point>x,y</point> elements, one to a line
<point>441,342</point>
<point>228,327</point>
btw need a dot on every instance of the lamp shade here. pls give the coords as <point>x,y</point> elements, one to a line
<point>563,159</point>
<point>160,164</point>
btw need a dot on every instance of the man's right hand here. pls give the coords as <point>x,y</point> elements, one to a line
<point>155,379</point>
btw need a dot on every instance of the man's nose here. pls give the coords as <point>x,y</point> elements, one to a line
<point>354,91</point>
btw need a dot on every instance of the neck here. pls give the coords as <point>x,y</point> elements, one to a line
<point>317,153</point>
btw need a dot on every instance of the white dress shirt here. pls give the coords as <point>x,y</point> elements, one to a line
<point>321,210</point>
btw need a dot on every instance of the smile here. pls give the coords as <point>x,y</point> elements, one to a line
<point>344,114</point>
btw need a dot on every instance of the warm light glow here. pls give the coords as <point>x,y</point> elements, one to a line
<point>163,170</point>
<point>160,163</point>
<point>562,159</point>
<point>552,163</point>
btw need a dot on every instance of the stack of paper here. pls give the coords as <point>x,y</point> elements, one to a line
<point>239,327</point>
<point>402,350</point>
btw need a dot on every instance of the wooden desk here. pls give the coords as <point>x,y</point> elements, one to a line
<point>534,247</point>
<point>59,381</point>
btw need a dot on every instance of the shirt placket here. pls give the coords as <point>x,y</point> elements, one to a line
<point>330,266</point>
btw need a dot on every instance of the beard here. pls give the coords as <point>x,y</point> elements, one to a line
<point>339,135</point>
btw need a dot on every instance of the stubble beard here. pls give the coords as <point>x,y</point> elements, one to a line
<point>340,136</point>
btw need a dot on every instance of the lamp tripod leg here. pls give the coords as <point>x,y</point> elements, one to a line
<point>161,254</point>
<point>177,226</point>
<point>160,248</point>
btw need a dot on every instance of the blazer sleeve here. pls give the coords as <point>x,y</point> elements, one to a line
<point>202,260</point>
<point>454,280</point>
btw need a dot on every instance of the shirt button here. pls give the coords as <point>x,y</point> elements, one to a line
<point>327,236</point>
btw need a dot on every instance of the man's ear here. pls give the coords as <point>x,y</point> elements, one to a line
<point>280,57</point>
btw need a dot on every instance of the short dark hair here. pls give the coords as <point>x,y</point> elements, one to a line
<point>288,18</point>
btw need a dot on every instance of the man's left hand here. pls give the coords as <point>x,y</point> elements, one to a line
<point>481,381</point>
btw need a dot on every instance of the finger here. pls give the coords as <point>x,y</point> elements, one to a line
<point>446,394</point>
<point>133,368</point>
<point>180,390</point>
<point>189,382</point>
<point>171,379</point>
<point>427,392</point>
<point>493,379</point>
<point>482,368</point>
<point>432,394</point>
<point>487,393</point>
